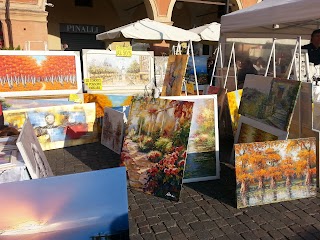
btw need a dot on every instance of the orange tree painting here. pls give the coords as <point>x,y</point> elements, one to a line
<point>154,149</point>
<point>275,171</point>
<point>34,73</point>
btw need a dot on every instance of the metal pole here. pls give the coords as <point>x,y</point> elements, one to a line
<point>227,6</point>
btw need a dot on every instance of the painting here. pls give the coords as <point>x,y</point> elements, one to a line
<point>14,173</point>
<point>112,129</point>
<point>34,73</point>
<point>34,210</point>
<point>58,126</point>
<point>316,108</point>
<point>21,103</point>
<point>202,162</point>
<point>32,153</point>
<point>251,130</point>
<point>176,70</point>
<point>155,145</point>
<point>275,171</point>
<point>234,99</point>
<point>119,74</point>
<point>201,70</point>
<point>269,100</point>
<point>160,66</point>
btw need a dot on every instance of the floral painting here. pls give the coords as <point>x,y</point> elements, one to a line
<point>58,126</point>
<point>176,70</point>
<point>119,74</point>
<point>155,145</point>
<point>34,73</point>
<point>275,171</point>
<point>112,129</point>
<point>269,100</point>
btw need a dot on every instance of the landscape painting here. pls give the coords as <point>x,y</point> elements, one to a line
<point>201,70</point>
<point>21,103</point>
<point>57,208</point>
<point>113,129</point>
<point>176,70</point>
<point>14,174</point>
<point>58,126</point>
<point>251,130</point>
<point>32,154</point>
<point>275,171</point>
<point>35,73</point>
<point>270,101</point>
<point>155,145</point>
<point>160,66</point>
<point>203,147</point>
<point>119,74</point>
<point>234,99</point>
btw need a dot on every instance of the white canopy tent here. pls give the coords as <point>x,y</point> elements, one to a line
<point>273,19</point>
<point>208,32</point>
<point>147,29</point>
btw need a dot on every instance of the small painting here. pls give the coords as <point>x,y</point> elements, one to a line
<point>112,129</point>
<point>32,153</point>
<point>155,145</point>
<point>20,103</point>
<point>201,69</point>
<point>160,66</point>
<point>269,100</point>
<point>275,171</point>
<point>119,74</point>
<point>176,70</point>
<point>234,99</point>
<point>34,73</point>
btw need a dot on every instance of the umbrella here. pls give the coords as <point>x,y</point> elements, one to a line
<point>208,32</point>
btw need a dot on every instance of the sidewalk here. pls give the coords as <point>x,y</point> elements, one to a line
<point>206,210</point>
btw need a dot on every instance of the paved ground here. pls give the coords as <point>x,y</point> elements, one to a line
<point>205,210</point>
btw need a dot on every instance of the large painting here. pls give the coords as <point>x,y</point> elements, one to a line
<point>269,100</point>
<point>112,129</point>
<point>203,147</point>
<point>176,70</point>
<point>155,146</point>
<point>119,74</point>
<point>275,171</point>
<point>34,73</point>
<point>32,153</point>
<point>58,126</point>
<point>57,207</point>
<point>201,68</point>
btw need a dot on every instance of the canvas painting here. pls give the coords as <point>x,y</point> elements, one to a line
<point>160,65</point>
<point>20,103</point>
<point>270,101</point>
<point>253,131</point>
<point>57,207</point>
<point>201,70</point>
<point>275,171</point>
<point>155,145</point>
<point>203,147</point>
<point>176,70</point>
<point>119,74</point>
<point>58,126</point>
<point>34,73</point>
<point>113,128</point>
<point>316,108</point>
<point>14,174</point>
<point>234,99</point>
<point>32,153</point>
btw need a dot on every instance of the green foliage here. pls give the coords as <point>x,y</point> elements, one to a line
<point>181,136</point>
<point>12,48</point>
<point>146,144</point>
<point>163,145</point>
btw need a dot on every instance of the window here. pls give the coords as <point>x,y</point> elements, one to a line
<point>83,3</point>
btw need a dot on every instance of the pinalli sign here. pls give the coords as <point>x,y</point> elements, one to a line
<point>79,28</point>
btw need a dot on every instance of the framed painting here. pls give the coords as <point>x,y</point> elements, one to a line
<point>120,75</point>
<point>58,126</point>
<point>269,100</point>
<point>250,130</point>
<point>275,171</point>
<point>32,154</point>
<point>155,145</point>
<point>34,209</point>
<point>35,73</point>
<point>202,162</point>
<point>176,70</point>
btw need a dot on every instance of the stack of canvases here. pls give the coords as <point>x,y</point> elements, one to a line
<point>172,139</point>
<point>270,168</point>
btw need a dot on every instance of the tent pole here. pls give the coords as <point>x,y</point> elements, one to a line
<point>228,68</point>
<point>217,52</point>
<point>227,6</point>
<point>293,60</point>
<point>271,54</point>
<point>300,78</point>
<point>194,67</point>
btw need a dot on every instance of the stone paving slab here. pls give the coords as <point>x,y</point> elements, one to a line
<point>206,210</point>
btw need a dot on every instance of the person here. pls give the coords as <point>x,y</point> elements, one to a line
<point>210,65</point>
<point>246,68</point>
<point>314,47</point>
<point>259,65</point>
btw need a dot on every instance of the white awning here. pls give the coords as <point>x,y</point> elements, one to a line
<point>208,32</point>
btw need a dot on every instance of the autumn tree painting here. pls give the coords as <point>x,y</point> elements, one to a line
<point>37,73</point>
<point>155,144</point>
<point>275,171</point>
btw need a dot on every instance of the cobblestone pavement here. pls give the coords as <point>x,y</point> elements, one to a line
<point>206,210</point>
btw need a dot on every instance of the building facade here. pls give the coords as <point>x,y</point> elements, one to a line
<point>38,24</point>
